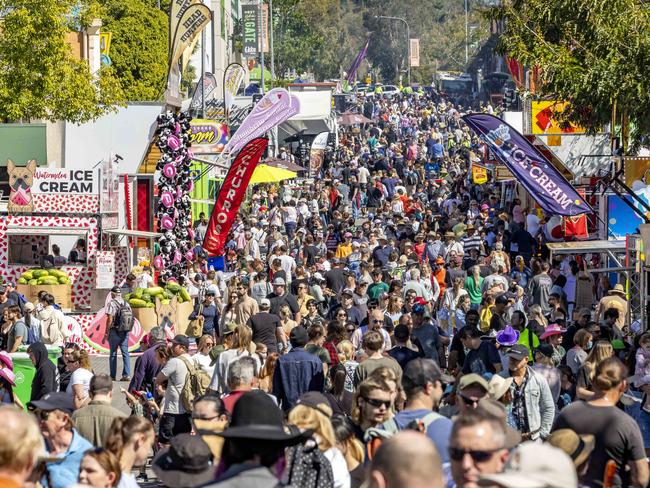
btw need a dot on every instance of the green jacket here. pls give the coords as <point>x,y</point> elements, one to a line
<point>94,420</point>
<point>525,337</point>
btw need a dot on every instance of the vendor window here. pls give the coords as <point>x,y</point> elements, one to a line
<point>48,250</point>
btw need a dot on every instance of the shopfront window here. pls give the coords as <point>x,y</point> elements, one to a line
<point>55,249</point>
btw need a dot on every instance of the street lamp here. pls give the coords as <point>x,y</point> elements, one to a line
<point>408,42</point>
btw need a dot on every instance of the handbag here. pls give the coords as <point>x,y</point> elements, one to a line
<point>195,327</point>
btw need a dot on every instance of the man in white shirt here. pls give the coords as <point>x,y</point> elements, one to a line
<point>175,419</point>
<point>145,280</point>
<point>288,264</point>
<point>532,222</point>
<point>363,174</point>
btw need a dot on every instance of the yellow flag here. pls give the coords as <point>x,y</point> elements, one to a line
<point>192,21</point>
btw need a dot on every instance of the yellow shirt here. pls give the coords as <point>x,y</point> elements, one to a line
<point>343,250</point>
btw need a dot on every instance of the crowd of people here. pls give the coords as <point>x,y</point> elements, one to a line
<point>388,322</point>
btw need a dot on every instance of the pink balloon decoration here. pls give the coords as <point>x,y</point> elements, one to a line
<point>167,222</point>
<point>158,262</point>
<point>169,170</point>
<point>167,199</point>
<point>177,256</point>
<point>190,233</point>
<point>189,255</point>
<point>174,143</point>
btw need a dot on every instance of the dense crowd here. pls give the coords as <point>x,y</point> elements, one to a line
<point>388,322</point>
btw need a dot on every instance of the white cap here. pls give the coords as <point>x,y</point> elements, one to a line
<point>534,465</point>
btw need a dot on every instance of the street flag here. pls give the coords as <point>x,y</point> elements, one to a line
<point>554,194</point>
<point>233,77</point>
<point>203,92</point>
<point>231,195</point>
<point>479,174</point>
<point>352,72</point>
<point>316,152</point>
<point>274,108</point>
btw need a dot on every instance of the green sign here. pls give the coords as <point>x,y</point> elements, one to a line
<point>23,142</point>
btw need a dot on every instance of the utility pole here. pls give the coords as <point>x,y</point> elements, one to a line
<point>261,45</point>
<point>408,42</point>
<point>466,33</point>
<point>271,40</point>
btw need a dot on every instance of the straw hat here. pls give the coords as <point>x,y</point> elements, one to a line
<point>498,386</point>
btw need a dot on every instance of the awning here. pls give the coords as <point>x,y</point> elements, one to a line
<point>584,247</point>
<point>38,230</point>
<point>133,233</point>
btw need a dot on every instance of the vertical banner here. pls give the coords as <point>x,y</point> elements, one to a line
<point>250,20</point>
<point>264,28</point>
<point>414,52</point>
<point>203,92</point>
<point>105,39</point>
<point>176,8</point>
<point>273,109</point>
<point>231,195</point>
<point>233,78</point>
<point>104,270</point>
<point>352,72</point>
<point>540,178</point>
<point>317,151</point>
<point>479,174</point>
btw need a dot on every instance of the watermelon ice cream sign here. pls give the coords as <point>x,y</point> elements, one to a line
<point>65,181</point>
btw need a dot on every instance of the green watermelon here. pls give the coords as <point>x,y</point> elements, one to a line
<point>155,290</point>
<point>28,275</point>
<point>38,273</point>
<point>64,280</point>
<point>185,294</point>
<point>22,281</point>
<point>33,282</point>
<point>173,287</point>
<point>137,293</point>
<point>137,303</point>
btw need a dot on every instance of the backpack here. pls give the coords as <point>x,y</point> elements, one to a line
<point>308,467</point>
<point>196,384</point>
<point>123,320</point>
<point>375,436</point>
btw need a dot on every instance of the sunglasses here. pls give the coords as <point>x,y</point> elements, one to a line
<point>457,454</point>
<point>341,314</point>
<point>376,402</point>
<point>42,415</point>
<point>376,321</point>
<point>468,400</point>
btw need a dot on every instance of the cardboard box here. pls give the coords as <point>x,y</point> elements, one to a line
<point>62,294</point>
<point>147,318</point>
<point>183,311</point>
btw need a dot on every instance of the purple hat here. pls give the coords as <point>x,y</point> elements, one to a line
<point>508,336</point>
<point>5,358</point>
<point>552,329</point>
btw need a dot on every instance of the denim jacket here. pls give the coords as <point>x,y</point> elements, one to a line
<point>540,406</point>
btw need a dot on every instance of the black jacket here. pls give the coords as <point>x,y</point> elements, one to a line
<point>46,379</point>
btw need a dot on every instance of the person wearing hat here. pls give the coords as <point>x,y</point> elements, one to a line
<point>422,381</point>
<point>578,447</point>
<point>115,336</point>
<point>297,372</point>
<point>553,336</point>
<point>187,462</point>
<point>175,419</point>
<point>62,441</point>
<point>615,299</point>
<point>479,443</point>
<point>472,240</point>
<point>534,465</point>
<point>254,441</point>
<point>533,408</point>
<point>281,296</point>
<point>471,389</point>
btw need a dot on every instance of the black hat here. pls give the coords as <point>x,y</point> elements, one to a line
<point>181,340</point>
<point>317,401</point>
<point>298,336</point>
<point>420,371</point>
<point>187,462</point>
<point>58,400</point>
<point>501,299</point>
<point>116,289</point>
<point>518,351</point>
<point>546,349</point>
<point>256,416</point>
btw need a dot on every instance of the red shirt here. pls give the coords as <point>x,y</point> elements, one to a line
<point>231,398</point>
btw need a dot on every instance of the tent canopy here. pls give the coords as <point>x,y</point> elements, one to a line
<point>267,174</point>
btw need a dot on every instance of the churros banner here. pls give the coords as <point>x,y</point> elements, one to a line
<point>231,195</point>
<point>554,194</point>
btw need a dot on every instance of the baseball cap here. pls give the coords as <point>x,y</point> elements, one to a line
<point>265,302</point>
<point>546,349</point>
<point>518,351</point>
<point>348,292</point>
<point>116,289</point>
<point>58,400</point>
<point>279,282</point>
<point>534,465</point>
<point>181,340</point>
<point>420,371</point>
<point>472,379</point>
<point>317,401</point>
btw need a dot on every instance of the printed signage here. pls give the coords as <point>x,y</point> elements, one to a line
<point>250,21</point>
<point>50,180</point>
<point>104,270</point>
<point>208,136</point>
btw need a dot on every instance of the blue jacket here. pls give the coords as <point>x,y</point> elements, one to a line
<point>145,371</point>
<point>297,372</point>
<point>66,473</point>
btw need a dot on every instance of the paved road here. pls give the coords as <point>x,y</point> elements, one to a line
<point>100,365</point>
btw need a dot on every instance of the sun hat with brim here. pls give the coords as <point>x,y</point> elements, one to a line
<point>578,447</point>
<point>187,462</point>
<point>8,375</point>
<point>618,288</point>
<point>498,386</point>
<point>534,465</point>
<point>551,330</point>
<point>472,379</point>
<point>508,336</point>
<point>5,359</point>
<point>257,417</point>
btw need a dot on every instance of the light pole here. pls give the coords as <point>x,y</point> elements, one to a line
<point>408,42</point>
<point>466,33</point>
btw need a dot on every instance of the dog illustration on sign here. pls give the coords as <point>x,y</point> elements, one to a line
<point>21,179</point>
<point>166,315</point>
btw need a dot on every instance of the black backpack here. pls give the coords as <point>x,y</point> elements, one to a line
<point>123,320</point>
<point>308,467</point>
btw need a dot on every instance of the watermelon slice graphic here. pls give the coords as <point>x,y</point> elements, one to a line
<point>94,335</point>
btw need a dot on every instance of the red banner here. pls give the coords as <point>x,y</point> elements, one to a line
<point>231,195</point>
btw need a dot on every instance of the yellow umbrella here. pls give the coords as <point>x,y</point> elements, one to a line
<point>268,174</point>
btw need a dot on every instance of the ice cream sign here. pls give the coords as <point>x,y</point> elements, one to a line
<point>65,181</point>
<point>208,136</point>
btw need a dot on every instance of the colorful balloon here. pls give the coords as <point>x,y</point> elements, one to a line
<point>169,170</point>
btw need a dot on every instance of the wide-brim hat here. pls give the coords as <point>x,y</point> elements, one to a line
<point>551,330</point>
<point>578,447</point>
<point>498,386</point>
<point>508,336</point>
<point>186,462</point>
<point>618,288</point>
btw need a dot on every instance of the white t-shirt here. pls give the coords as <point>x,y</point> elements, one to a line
<point>143,280</point>
<point>175,372</point>
<point>203,361</point>
<point>532,224</point>
<point>80,377</point>
<point>339,467</point>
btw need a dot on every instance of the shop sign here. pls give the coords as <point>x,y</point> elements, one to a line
<point>65,181</point>
<point>104,270</point>
<point>208,136</point>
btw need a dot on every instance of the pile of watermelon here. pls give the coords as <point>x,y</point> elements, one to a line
<point>146,297</point>
<point>38,276</point>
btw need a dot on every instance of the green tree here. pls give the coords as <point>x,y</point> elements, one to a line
<point>139,46</point>
<point>593,54</point>
<point>39,76</point>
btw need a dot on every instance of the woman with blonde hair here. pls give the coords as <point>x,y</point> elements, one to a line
<point>314,412</point>
<point>346,352</point>
<point>584,381</point>
<point>536,320</point>
<point>286,320</point>
<point>202,357</point>
<point>242,345</point>
<point>266,374</point>
<point>130,439</point>
<point>351,448</point>
<point>99,469</point>
<point>79,365</point>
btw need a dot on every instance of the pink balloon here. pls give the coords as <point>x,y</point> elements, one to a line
<point>177,256</point>
<point>158,262</point>
<point>190,233</point>
<point>190,154</point>
<point>167,199</point>
<point>167,222</point>
<point>191,186</point>
<point>174,143</point>
<point>179,193</point>
<point>177,128</point>
<point>169,170</point>
<point>189,255</point>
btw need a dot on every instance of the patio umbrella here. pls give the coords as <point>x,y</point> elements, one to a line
<point>268,174</point>
<point>282,164</point>
<point>349,118</point>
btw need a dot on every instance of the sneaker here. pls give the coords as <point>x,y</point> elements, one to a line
<point>125,378</point>
<point>142,477</point>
